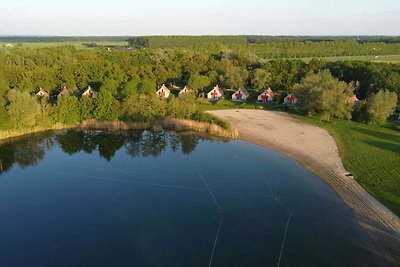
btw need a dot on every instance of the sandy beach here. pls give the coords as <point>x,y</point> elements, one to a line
<point>316,149</point>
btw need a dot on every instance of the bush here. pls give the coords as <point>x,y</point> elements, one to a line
<point>380,106</point>
<point>22,109</point>
<point>66,110</point>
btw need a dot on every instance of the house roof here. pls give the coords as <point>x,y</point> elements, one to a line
<point>88,90</point>
<point>244,91</point>
<point>41,91</point>
<point>354,99</point>
<point>64,91</point>
<point>219,89</point>
<point>185,90</point>
<point>163,87</point>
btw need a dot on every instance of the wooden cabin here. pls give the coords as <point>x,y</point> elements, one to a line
<point>215,94</point>
<point>290,99</point>
<point>42,93</point>
<point>184,92</point>
<point>163,92</point>
<point>64,92</point>
<point>266,96</point>
<point>92,94</point>
<point>240,95</point>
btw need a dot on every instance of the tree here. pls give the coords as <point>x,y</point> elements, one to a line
<point>111,86</point>
<point>147,87</point>
<point>106,106</point>
<point>144,108</point>
<point>86,108</point>
<point>380,105</point>
<point>129,89</point>
<point>22,109</point>
<point>260,78</point>
<point>321,92</point>
<point>67,110</point>
<point>197,82</point>
<point>4,120</point>
<point>235,77</point>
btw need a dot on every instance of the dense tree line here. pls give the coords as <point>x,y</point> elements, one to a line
<point>278,47</point>
<point>183,41</point>
<point>127,81</point>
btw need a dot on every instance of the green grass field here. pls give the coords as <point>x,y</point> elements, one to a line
<point>78,45</point>
<point>378,59</point>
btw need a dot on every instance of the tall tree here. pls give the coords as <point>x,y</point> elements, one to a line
<point>197,82</point>
<point>235,77</point>
<point>321,92</point>
<point>380,105</point>
<point>23,109</point>
<point>106,106</point>
<point>260,78</point>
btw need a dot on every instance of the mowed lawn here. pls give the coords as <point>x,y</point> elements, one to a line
<point>372,154</point>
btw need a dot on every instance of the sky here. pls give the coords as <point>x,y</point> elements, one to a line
<point>185,17</point>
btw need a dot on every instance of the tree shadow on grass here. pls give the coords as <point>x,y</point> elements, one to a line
<point>395,148</point>
<point>378,134</point>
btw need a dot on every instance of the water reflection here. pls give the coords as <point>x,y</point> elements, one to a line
<point>28,151</point>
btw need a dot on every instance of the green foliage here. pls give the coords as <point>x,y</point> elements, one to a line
<point>144,108</point>
<point>260,79</point>
<point>182,108</point>
<point>206,117</point>
<point>323,93</point>
<point>182,41</point>
<point>197,82</point>
<point>380,106</point>
<point>106,106</point>
<point>129,89</point>
<point>147,87</point>
<point>86,108</point>
<point>235,77</point>
<point>4,120</point>
<point>22,109</point>
<point>67,110</point>
<point>111,86</point>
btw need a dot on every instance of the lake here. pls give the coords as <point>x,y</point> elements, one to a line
<point>145,198</point>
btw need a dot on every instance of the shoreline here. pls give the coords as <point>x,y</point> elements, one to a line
<point>178,125</point>
<point>316,150</point>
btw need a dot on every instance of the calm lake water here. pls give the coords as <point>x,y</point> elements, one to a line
<point>166,199</point>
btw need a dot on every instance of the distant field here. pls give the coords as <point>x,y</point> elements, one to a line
<point>378,59</point>
<point>78,45</point>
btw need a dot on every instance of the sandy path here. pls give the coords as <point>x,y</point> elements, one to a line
<point>316,149</point>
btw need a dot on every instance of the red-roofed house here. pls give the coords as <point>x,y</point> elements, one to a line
<point>163,92</point>
<point>266,96</point>
<point>215,94</point>
<point>92,94</point>
<point>184,91</point>
<point>354,100</point>
<point>42,93</point>
<point>290,99</point>
<point>240,95</point>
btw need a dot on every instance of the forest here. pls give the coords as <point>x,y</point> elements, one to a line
<point>127,81</point>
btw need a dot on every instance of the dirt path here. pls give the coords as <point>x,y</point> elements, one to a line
<point>316,149</point>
